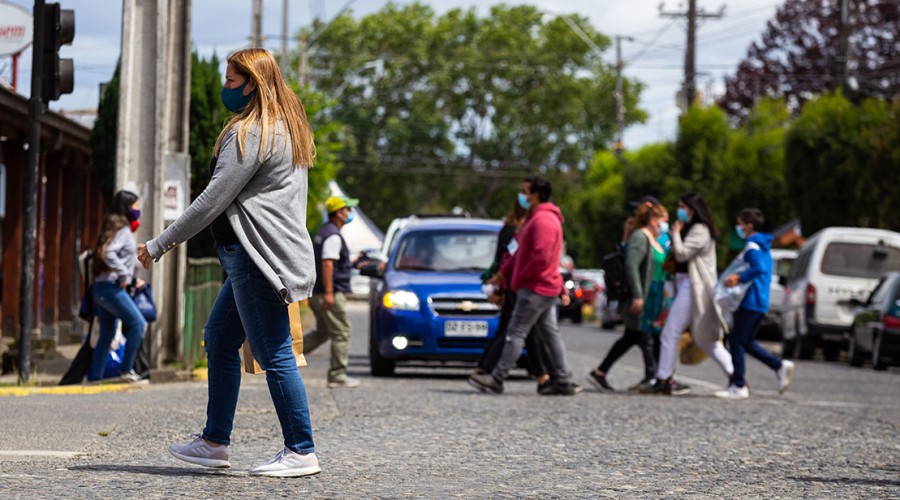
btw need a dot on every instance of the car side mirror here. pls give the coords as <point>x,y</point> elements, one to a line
<point>855,303</point>
<point>372,269</point>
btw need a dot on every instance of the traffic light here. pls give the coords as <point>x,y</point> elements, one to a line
<point>59,30</point>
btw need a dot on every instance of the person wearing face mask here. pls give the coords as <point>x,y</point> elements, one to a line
<point>329,300</point>
<point>113,270</point>
<point>694,247</point>
<point>742,337</point>
<point>644,256</point>
<point>256,204</point>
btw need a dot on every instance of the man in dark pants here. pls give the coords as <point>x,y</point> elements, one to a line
<point>534,276</point>
<point>329,300</point>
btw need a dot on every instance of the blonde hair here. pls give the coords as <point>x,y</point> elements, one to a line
<point>648,211</point>
<point>272,100</point>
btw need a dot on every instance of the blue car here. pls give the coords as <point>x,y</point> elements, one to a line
<point>426,301</point>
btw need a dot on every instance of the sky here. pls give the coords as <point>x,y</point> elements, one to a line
<point>655,57</point>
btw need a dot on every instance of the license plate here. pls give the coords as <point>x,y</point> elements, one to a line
<point>466,329</point>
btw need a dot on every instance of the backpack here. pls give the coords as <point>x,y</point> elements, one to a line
<point>87,309</point>
<point>613,266</point>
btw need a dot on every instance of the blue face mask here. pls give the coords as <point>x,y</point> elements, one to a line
<point>663,227</point>
<point>523,201</point>
<point>349,218</point>
<point>234,99</point>
<point>682,214</point>
<point>740,232</point>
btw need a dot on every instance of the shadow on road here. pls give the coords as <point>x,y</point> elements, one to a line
<point>846,480</point>
<point>154,470</point>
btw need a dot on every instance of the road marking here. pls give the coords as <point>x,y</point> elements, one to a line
<point>66,389</point>
<point>41,453</point>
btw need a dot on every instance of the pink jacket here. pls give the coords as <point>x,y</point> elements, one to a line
<point>535,263</point>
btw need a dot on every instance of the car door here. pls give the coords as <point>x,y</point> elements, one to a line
<point>868,321</point>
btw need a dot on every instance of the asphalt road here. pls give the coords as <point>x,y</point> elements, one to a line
<point>426,433</point>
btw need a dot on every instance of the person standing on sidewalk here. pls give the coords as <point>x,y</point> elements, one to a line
<point>113,269</point>
<point>644,257</point>
<point>694,247</point>
<point>256,204</point>
<point>742,337</point>
<point>329,300</point>
<point>534,277</point>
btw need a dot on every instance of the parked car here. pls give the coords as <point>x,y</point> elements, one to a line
<point>876,325</point>
<point>835,265</point>
<point>576,299</point>
<point>426,301</point>
<point>592,285</point>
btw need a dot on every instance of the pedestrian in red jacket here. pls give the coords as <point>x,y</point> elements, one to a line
<point>534,276</point>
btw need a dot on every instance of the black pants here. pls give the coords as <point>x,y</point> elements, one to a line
<point>648,343</point>
<point>537,357</point>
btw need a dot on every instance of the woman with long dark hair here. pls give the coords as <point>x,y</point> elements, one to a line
<point>115,259</point>
<point>694,247</point>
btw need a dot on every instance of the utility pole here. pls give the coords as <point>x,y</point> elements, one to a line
<point>689,88</point>
<point>256,37</point>
<point>620,97</point>
<point>284,38</point>
<point>301,71</point>
<point>29,205</point>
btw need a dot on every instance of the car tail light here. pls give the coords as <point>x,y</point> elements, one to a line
<point>892,322</point>
<point>810,295</point>
<point>579,293</point>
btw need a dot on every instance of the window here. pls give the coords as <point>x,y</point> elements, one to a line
<point>859,260</point>
<point>879,294</point>
<point>798,268</point>
<point>447,251</point>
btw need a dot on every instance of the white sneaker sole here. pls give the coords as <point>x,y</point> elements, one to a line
<point>788,379</point>
<point>303,471</point>
<point>206,462</point>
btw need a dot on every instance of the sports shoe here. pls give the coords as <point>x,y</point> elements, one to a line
<point>288,463</point>
<point>734,392</point>
<point>130,377</point>
<point>643,386</point>
<point>554,389</point>
<point>347,383</point>
<point>599,382</point>
<point>485,382</point>
<point>668,387</point>
<point>200,452</point>
<point>785,374</point>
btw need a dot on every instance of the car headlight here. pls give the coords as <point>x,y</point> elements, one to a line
<point>401,300</point>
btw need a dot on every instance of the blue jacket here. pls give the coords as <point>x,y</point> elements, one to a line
<point>759,257</point>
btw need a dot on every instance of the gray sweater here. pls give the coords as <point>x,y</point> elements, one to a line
<point>265,202</point>
<point>120,254</point>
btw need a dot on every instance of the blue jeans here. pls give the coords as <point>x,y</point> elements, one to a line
<point>742,338</point>
<point>115,304</point>
<point>249,308</point>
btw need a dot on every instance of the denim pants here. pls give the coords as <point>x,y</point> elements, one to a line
<point>742,338</point>
<point>115,304</point>
<point>538,311</point>
<point>248,307</point>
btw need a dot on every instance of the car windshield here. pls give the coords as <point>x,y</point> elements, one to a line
<point>856,260</point>
<point>446,251</point>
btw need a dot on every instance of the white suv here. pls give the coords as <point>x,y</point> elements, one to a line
<point>835,265</point>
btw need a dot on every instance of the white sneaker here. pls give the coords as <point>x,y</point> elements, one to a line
<point>734,392</point>
<point>200,452</point>
<point>131,377</point>
<point>785,375</point>
<point>287,463</point>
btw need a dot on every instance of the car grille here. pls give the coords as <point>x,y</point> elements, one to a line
<point>463,306</point>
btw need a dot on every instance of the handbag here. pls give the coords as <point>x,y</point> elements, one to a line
<point>143,299</point>
<point>689,353</point>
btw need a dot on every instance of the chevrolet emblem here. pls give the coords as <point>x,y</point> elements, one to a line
<point>467,306</point>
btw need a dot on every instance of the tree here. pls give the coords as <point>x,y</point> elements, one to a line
<point>844,163</point>
<point>454,110</point>
<point>103,137</point>
<point>799,55</point>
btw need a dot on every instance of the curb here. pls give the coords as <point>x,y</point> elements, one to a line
<point>66,389</point>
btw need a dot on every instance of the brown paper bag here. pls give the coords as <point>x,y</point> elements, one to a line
<point>250,363</point>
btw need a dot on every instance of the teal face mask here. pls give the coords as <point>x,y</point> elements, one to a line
<point>350,216</point>
<point>234,99</point>
<point>740,232</point>
<point>523,201</point>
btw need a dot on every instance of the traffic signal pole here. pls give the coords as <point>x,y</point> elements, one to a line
<point>29,205</point>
